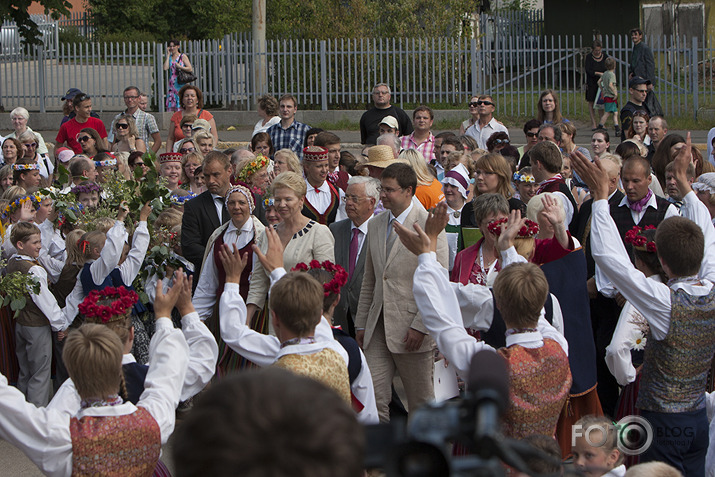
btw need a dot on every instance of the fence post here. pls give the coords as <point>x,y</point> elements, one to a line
<point>473,51</point>
<point>39,49</point>
<point>695,77</point>
<point>323,76</point>
<point>159,77</point>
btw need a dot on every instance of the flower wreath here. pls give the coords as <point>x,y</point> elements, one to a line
<point>180,199</point>
<point>523,177</point>
<point>26,167</point>
<point>35,198</point>
<point>528,230</point>
<point>269,202</point>
<point>87,188</point>
<point>123,301</point>
<point>254,166</point>
<point>640,242</point>
<point>340,276</point>
<point>105,163</point>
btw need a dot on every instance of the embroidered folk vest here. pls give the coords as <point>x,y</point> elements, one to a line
<point>326,366</point>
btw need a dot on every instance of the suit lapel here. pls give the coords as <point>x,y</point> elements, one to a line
<point>210,210</point>
<point>411,218</point>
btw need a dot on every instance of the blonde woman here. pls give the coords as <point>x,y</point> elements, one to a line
<point>126,135</point>
<point>429,189</point>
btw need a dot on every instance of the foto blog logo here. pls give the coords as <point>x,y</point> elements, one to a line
<point>634,434</point>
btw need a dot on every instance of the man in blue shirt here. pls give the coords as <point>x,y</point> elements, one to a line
<point>289,133</point>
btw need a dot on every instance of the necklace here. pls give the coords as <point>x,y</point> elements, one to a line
<point>597,57</point>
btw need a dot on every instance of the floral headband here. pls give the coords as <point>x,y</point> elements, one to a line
<point>86,189</point>
<point>254,166</point>
<point>35,198</point>
<point>123,302</point>
<point>180,199</point>
<point>641,242</point>
<point>340,276</point>
<point>26,167</point>
<point>523,177</point>
<point>246,193</point>
<point>528,230</point>
<point>269,202</point>
<point>105,163</point>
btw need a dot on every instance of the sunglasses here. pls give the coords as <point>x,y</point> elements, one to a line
<point>122,126</point>
<point>138,164</point>
<point>81,97</point>
<point>532,134</point>
<point>501,141</point>
<point>187,126</point>
<point>474,104</point>
<point>84,138</point>
<point>34,144</point>
<point>184,150</point>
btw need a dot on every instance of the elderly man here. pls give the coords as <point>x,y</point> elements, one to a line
<point>362,196</point>
<point>487,124</point>
<point>657,130</point>
<point>371,119</point>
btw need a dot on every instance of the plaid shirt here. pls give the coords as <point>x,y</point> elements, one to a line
<point>146,125</point>
<point>291,138</point>
<point>426,148</point>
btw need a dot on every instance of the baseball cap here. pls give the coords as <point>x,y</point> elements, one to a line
<point>201,124</point>
<point>71,93</point>
<point>390,121</point>
<point>637,81</point>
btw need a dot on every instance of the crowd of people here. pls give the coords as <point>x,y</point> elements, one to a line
<point>586,270</point>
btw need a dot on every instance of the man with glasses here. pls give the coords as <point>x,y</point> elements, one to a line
<point>70,130</point>
<point>487,124</point>
<point>361,197</point>
<point>371,119</point>
<point>388,325</point>
<point>638,91</point>
<point>146,123</point>
<point>531,132</point>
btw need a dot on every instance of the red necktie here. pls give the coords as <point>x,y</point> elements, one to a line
<point>353,251</point>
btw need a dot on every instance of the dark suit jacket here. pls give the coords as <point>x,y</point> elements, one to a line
<point>199,222</point>
<point>350,293</point>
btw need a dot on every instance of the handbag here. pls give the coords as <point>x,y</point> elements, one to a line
<point>599,96</point>
<point>184,77</point>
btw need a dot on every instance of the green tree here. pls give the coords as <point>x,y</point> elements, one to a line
<point>17,11</point>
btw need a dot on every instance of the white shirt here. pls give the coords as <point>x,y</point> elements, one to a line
<point>220,206</point>
<point>205,295</point>
<point>403,216</point>
<point>52,255</point>
<point>203,355</point>
<point>43,435</point>
<point>453,237</point>
<point>259,127</point>
<point>45,300</point>
<point>650,298</point>
<point>265,349</point>
<point>319,200</point>
<point>618,352</point>
<point>440,309</point>
<point>362,235</point>
<point>108,261</point>
<point>671,211</point>
<point>481,134</point>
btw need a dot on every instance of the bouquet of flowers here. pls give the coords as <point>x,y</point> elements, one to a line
<point>16,287</point>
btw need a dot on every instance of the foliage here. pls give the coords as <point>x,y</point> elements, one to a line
<point>309,19</point>
<point>160,259</point>
<point>71,35</point>
<point>17,11</point>
<point>16,288</point>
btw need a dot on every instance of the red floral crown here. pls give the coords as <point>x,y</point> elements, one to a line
<point>528,230</point>
<point>123,302</point>
<point>641,242</point>
<point>340,276</point>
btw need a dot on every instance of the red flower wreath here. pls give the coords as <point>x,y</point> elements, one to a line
<point>640,242</point>
<point>528,230</point>
<point>124,300</point>
<point>340,276</point>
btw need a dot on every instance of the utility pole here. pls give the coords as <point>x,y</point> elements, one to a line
<point>260,76</point>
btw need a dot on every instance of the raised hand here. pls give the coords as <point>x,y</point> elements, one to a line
<point>510,231</point>
<point>273,258</point>
<point>164,303</point>
<point>144,212</point>
<point>551,211</point>
<point>595,177</point>
<point>436,220</point>
<point>233,262</point>
<point>123,211</point>
<point>415,241</point>
<point>681,163</point>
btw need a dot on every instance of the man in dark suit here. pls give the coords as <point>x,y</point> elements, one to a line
<point>206,213</point>
<point>361,196</point>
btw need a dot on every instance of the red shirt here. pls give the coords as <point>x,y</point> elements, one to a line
<point>179,115</point>
<point>70,129</point>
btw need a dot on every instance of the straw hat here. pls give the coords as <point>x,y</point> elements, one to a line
<point>381,156</point>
